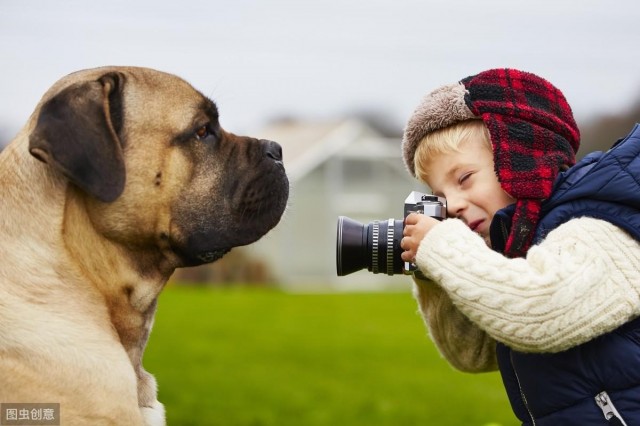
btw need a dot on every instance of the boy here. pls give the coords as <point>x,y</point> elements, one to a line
<point>536,271</point>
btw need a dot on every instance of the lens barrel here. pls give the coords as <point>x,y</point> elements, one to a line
<point>375,246</point>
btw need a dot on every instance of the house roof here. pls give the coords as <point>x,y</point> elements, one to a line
<point>307,144</point>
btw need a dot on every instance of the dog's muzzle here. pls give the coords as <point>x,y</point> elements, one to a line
<point>253,197</point>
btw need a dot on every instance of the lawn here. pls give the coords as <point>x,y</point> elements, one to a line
<point>266,358</point>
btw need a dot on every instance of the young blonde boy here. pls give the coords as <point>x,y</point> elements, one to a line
<point>536,271</point>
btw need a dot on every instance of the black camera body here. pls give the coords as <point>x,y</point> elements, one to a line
<point>376,246</point>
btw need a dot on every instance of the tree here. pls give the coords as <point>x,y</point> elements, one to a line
<point>601,133</point>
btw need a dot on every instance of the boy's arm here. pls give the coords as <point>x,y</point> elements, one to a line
<point>580,282</point>
<point>461,342</point>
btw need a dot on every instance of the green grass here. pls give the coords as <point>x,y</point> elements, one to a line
<point>266,358</point>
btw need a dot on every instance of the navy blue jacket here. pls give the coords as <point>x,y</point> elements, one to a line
<point>561,388</point>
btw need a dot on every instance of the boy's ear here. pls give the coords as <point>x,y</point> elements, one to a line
<point>77,133</point>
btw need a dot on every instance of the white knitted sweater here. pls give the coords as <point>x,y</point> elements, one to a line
<point>582,281</point>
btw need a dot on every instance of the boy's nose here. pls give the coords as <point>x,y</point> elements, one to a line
<point>455,206</point>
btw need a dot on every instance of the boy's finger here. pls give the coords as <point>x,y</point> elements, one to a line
<point>411,219</point>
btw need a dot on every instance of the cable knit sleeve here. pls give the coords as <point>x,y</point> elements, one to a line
<point>465,346</point>
<point>580,282</point>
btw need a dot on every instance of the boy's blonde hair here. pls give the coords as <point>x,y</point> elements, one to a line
<point>447,140</point>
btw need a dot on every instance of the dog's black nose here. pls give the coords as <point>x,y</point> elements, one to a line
<point>272,150</point>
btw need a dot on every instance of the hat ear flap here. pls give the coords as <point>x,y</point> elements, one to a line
<point>77,133</point>
<point>523,226</point>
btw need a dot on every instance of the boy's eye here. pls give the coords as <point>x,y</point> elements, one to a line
<point>464,177</point>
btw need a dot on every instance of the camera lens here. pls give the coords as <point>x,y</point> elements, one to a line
<point>375,246</point>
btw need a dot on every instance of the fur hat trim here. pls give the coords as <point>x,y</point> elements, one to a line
<point>441,108</point>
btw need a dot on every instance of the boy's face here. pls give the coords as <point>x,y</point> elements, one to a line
<point>468,181</point>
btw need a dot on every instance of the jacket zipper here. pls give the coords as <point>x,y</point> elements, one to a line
<point>608,409</point>
<point>524,398</point>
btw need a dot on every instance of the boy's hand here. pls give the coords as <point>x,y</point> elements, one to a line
<point>417,226</point>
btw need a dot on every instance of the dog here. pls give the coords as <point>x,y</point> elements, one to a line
<point>120,176</point>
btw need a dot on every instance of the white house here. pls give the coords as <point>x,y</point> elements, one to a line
<point>335,168</point>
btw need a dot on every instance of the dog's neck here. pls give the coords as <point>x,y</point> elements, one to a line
<point>130,291</point>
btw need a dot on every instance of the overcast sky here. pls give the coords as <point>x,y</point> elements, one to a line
<point>321,59</point>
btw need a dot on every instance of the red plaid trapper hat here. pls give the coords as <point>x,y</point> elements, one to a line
<point>532,129</point>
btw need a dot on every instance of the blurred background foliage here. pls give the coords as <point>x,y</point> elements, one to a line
<point>599,133</point>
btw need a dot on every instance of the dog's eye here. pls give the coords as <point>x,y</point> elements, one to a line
<point>202,132</point>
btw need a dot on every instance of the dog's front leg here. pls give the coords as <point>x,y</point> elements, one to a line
<point>152,410</point>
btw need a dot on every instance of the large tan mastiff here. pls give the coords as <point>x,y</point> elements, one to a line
<point>120,176</point>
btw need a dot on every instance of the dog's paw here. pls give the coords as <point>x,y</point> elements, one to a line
<point>153,415</point>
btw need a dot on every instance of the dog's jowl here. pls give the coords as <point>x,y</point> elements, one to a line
<point>120,176</point>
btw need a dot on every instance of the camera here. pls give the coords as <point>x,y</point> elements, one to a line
<point>376,245</point>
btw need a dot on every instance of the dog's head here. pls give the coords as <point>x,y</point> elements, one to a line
<point>147,155</point>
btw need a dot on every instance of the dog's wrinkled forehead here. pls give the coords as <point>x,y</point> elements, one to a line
<point>151,94</point>
<point>147,95</point>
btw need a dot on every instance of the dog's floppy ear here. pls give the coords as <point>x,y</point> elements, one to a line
<point>78,131</point>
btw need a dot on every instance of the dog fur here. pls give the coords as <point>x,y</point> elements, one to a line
<point>120,175</point>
